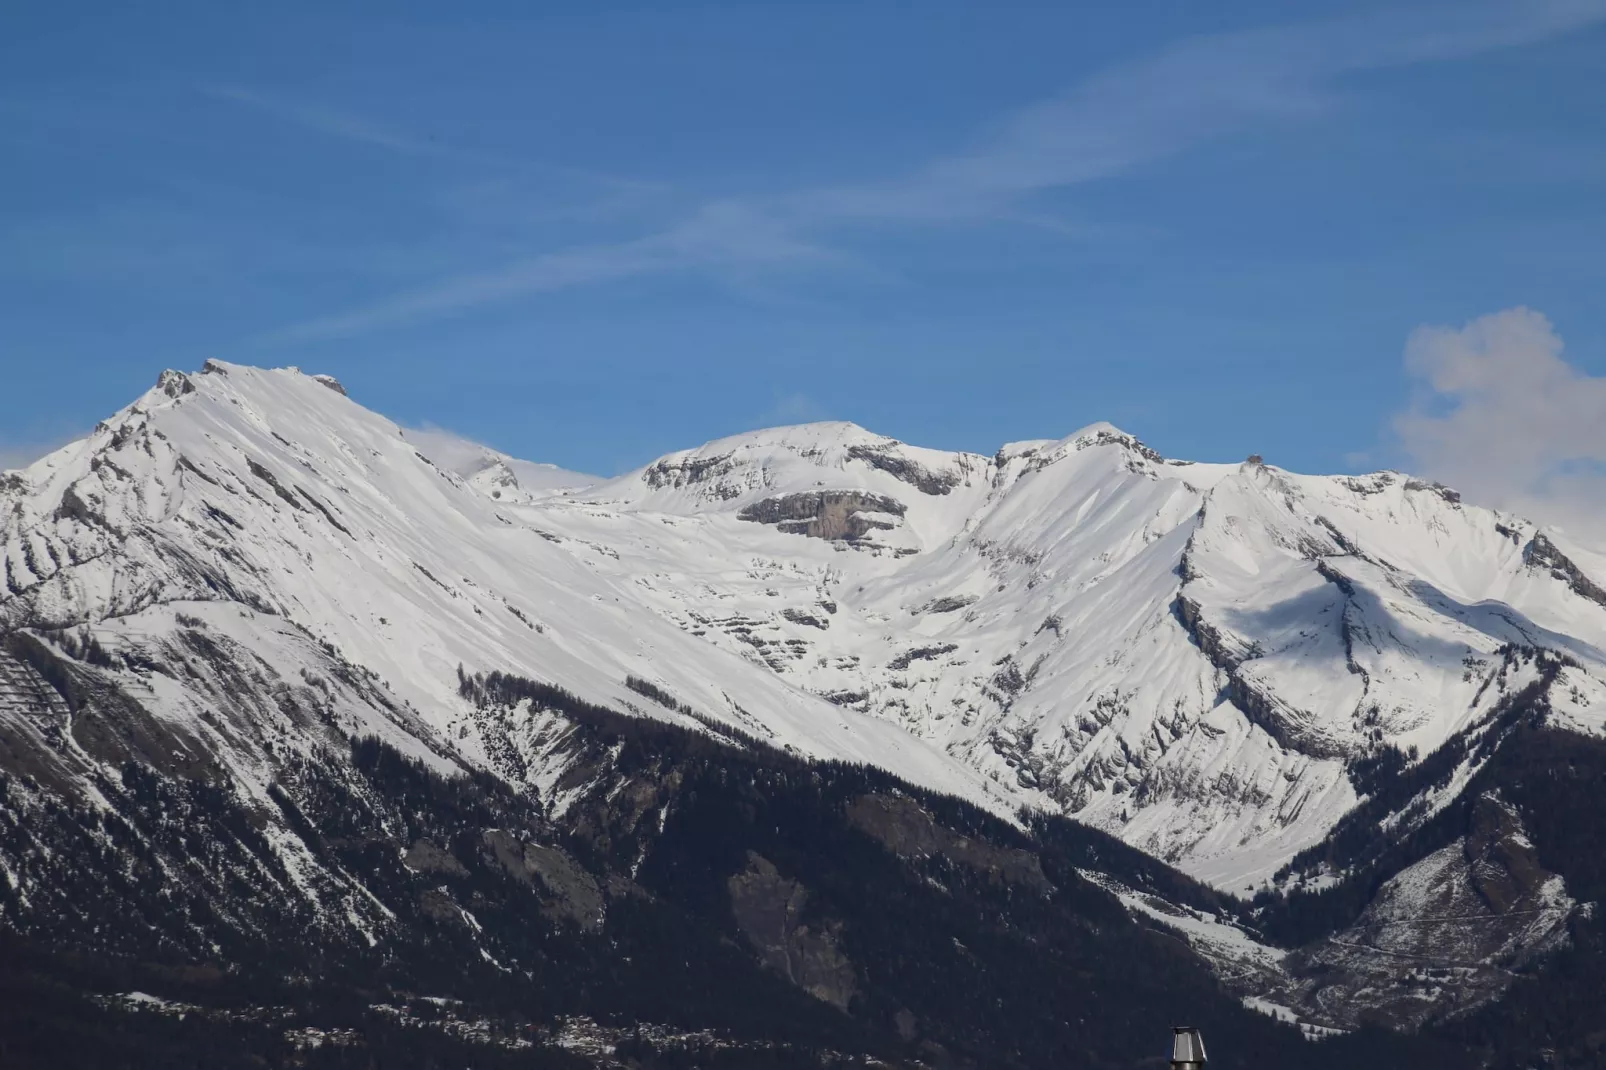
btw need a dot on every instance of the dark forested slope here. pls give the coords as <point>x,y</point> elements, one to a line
<point>701,903</point>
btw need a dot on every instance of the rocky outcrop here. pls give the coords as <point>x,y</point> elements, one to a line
<point>769,910</point>
<point>902,468</point>
<point>1541,553</point>
<point>278,488</point>
<point>920,653</point>
<point>1443,936</point>
<point>1449,494</point>
<point>826,514</point>
<point>1112,437</point>
<point>1225,652</point>
<point>572,893</point>
<point>1295,729</point>
<point>799,616</point>
<point>80,712</point>
<point>1504,866</point>
<point>331,382</point>
<point>952,603</point>
<point>908,830</point>
<point>425,857</point>
<point>677,472</point>
<point>174,384</point>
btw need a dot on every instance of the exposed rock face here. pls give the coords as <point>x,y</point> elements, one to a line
<point>1541,553</point>
<point>798,616</point>
<point>425,857</point>
<point>1293,728</point>
<point>1224,652</point>
<point>675,472</point>
<point>921,653</point>
<point>769,910</point>
<point>573,893</point>
<point>71,716</point>
<point>174,384</point>
<point>278,488</point>
<point>948,603</point>
<point>916,475</point>
<point>828,514</point>
<point>902,826</point>
<point>1443,936</point>
<point>1120,438</point>
<point>497,480</point>
<point>331,382</point>
<point>1504,866</point>
<point>1449,494</point>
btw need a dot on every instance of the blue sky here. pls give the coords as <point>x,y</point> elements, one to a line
<point>588,234</point>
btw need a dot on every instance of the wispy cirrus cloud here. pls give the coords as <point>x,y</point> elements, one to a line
<point>722,236</point>
<point>330,121</point>
<point>1199,90</point>
<point>361,130</point>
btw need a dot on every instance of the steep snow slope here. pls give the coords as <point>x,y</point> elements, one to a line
<point>1188,655</point>
<point>269,491</point>
<point>496,473</point>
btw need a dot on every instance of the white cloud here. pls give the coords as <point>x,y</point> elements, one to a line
<point>1504,418</point>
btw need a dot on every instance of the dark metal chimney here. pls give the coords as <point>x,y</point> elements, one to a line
<point>1187,1048</point>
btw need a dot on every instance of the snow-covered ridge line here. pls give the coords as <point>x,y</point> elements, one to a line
<point>1189,655</point>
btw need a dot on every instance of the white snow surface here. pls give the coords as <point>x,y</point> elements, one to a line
<point>496,473</point>
<point>1183,654</point>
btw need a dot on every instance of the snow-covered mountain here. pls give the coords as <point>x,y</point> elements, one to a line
<point>1194,657</point>
<point>497,474</point>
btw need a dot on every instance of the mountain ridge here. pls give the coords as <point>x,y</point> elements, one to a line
<point>1188,655</point>
<point>265,662</point>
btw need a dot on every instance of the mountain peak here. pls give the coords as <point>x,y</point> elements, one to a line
<point>831,458</point>
<point>1080,624</point>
